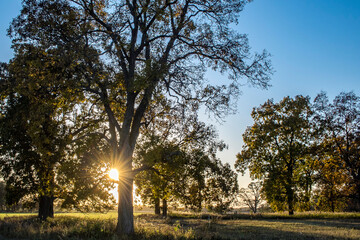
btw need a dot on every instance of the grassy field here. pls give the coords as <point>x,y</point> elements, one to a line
<point>185,226</point>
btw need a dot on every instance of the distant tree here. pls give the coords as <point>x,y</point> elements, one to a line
<point>276,147</point>
<point>206,182</point>
<point>167,152</point>
<point>339,126</point>
<point>142,48</point>
<point>222,188</point>
<point>157,184</point>
<point>251,196</point>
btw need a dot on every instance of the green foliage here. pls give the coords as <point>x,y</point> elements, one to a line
<point>37,135</point>
<point>307,155</point>
<point>276,149</point>
<point>338,126</point>
<point>189,178</point>
<point>206,182</point>
<point>180,152</point>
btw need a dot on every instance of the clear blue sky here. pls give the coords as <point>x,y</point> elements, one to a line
<point>315,46</point>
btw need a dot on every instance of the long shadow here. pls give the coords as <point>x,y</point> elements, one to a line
<point>257,232</point>
<point>341,223</point>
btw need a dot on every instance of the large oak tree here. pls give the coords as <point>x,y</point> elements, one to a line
<point>133,51</point>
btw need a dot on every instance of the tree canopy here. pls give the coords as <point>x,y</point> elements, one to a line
<point>37,136</point>
<point>276,147</point>
<point>339,126</point>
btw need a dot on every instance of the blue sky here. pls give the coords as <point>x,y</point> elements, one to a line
<point>315,46</point>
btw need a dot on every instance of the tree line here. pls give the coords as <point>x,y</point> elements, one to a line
<point>306,155</point>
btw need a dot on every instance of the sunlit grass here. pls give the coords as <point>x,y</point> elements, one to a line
<point>5,215</point>
<point>108,215</point>
<point>185,226</point>
<point>91,215</point>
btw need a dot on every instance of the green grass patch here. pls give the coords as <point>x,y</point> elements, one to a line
<point>7,215</point>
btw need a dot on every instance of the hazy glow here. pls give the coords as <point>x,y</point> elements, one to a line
<point>114,174</point>
<point>137,198</point>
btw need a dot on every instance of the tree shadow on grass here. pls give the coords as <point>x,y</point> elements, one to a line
<point>305,231</point>
<point>339,223</point>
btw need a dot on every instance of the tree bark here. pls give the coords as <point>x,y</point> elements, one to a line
<point>157,206</point>
<point>164,208</point>
<point>46,207</point>
<point>125,224</point>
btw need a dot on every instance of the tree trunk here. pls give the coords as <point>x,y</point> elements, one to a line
<point>357,198</point>
<point>332,204</point>
<point>164,208</point>
<point>157,206</point>
<point>290,190</point>
<point>290,200</point>
<point>46,207</point>
<point>125,224</point>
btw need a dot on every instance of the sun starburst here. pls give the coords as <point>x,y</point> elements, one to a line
<point>114,174</point>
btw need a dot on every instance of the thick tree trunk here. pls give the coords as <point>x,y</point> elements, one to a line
<point>46,207</point>
<point>125,224</point>
<point>157,206</point>
<point>164,208</point>
<point>290,200</point>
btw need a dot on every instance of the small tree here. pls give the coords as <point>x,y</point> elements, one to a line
<point>206,182</point>
<point>251,196</point>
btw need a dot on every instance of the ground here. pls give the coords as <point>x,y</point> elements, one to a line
<point>185,226</point>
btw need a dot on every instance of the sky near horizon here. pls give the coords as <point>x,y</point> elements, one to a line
<point>315,46</point>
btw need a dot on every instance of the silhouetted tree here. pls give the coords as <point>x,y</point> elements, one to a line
<point>251,196</point>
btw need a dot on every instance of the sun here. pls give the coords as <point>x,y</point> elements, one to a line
<point>114,174</point>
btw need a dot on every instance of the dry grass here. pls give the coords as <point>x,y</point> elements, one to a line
<point>285,229</point>
<point>148,226</point>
